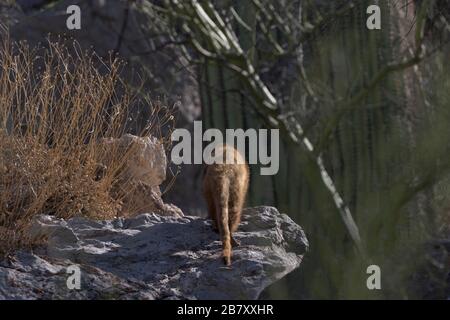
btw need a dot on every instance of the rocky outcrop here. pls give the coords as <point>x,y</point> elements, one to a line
<point>153,257</point>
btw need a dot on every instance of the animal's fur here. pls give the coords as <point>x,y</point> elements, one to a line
<point>225,187</point>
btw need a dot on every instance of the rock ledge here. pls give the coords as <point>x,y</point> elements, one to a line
<point>154,257</point>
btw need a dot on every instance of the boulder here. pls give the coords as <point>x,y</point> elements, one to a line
<point>143,173</point>
<point>145,158</point>
<point>154,257</point>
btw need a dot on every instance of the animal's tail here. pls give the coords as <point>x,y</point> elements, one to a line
<point>225,233</point>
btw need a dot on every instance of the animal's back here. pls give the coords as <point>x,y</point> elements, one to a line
<point>225,187</point>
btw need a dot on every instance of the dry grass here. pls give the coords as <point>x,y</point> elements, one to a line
<point>55,108</point>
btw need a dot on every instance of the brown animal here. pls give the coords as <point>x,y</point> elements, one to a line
<point>225,187</point>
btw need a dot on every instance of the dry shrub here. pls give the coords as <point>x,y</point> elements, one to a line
<point>56,107</point>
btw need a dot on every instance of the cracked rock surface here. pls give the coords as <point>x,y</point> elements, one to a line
<point>153,257</point>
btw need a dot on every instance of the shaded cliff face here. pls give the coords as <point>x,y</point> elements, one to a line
<point>154,257</point>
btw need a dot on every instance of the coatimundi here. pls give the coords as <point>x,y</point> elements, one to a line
<point>225,187</point>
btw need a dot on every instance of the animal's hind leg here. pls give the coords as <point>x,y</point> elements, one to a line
<point>235,219</point>
<point>223,223</point>
<point>235,205</point>
<point>211,209</point>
